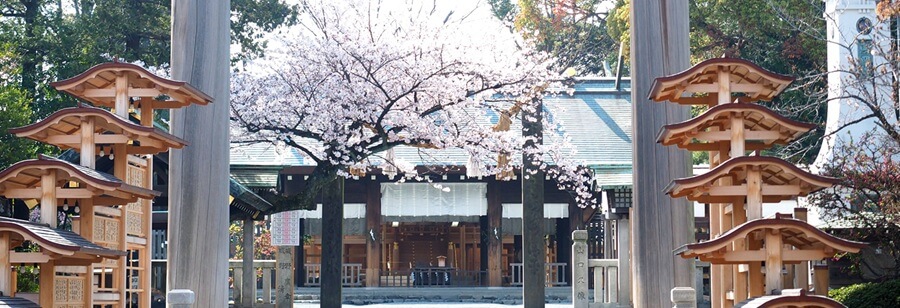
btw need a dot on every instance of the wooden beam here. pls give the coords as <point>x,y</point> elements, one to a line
<point>734,88</point>
<point>728,135</point>
<point>147,112</point>
<point>767,190</point>
<point>27,258</point>
<point>774,261</point>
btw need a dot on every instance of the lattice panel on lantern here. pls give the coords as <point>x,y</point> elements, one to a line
<point>134,223</point>
<point>68,292</point>
<point>106,234</point>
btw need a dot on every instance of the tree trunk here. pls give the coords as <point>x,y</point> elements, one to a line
<point>332,242</point>
<point>533,247</point>
<point>659,47</point>
<point>198,174</point>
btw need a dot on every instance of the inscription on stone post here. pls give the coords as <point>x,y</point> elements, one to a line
<point>579,269</point>
<point>284,277</point>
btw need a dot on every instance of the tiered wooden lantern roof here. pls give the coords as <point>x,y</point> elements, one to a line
<point>778,179</point>
<point>65,247</point>
<point>761,128</point>
<point>64,130</point>
<point>742,77</point>
<point>27,179</point>
<point>794,298</point>
<point>737,185</point>
<point>811,243</point>
<point>114,211</point>
<point>102,84</point>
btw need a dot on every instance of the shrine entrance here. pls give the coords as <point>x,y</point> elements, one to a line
<point>431,253</point>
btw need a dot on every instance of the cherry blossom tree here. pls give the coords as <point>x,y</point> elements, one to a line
<point>356,79</point>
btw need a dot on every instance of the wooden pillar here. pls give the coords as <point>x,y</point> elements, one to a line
<point>564,245</point>
<point>332,242</point>
<point>659,47</point>
<point>147,225</point>
<point>122,95</point>
<point>86,230</point>
<point>373,233</point>
<point>534,272</point>
<point>724,81</point>
<point>754,194</point>
<point>801,270</point>
<point>395,257</point>
<point>5,266</point>
<point>623,240</point>
<point>463,244</point>
<point>739,216</point>
<point>147,112</point>
<point>87,143</point>
<point>248,275</point>
<point>773,261</point>
<point>754,274</point>
<point>821,279</point>
<point>198,174</point>
<point>716,288</point>
<point>284,277</point>
<point>300,259</point>
<point>737,135</point>
<point>46,281</point>
<point>48,198</point>
<point>494,235</point>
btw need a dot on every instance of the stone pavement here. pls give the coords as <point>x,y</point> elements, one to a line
<point>426,305</point>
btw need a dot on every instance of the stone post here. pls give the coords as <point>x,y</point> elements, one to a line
<point>623,234</point>
<point>684,297</point>
<point>180,298</point>
<point>248,272</point>
<point>579,269</point>
<point>284,277</point>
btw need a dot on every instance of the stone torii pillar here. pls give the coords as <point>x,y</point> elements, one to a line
<point>198,175</point>
<point>659,47</point>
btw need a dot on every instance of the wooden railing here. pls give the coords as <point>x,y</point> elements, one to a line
<point>351,275</point>
<point>432,277</point>
<point>556,274</point>
<point>237,275</point>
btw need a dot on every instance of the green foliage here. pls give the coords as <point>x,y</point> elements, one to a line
<point>15,112</point>
<point>43,41</point>
<point>869,295</point>
<point>572,31</point>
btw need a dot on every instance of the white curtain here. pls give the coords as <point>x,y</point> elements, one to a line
<point>351,210</point>
<point>551,210</point>
<point>434,199</point>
